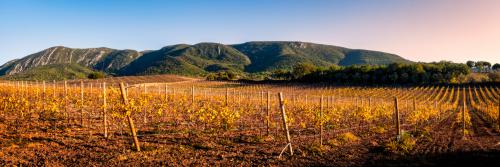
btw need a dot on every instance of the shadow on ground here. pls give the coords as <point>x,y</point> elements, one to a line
<point>472,158</point>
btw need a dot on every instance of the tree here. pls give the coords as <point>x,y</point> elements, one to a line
<point>487,64</point>
<point>436,78</point>
<point>96,75</point>
<point>231,75</point>
<point>302,69</point>
<point>393,77</point>
<point>417,73</point>
<point>334,68</point>
<point>496,66</point>
<point>470,64</point>
<point>479,64</point>
<point>211,77</point>
<point>281,74</point>
<point>483,66</point>
<point>222,76</point>
<point>404,77</point>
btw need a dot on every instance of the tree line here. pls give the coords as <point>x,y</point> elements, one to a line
<point>483,66</point>
<point>396,73</point>
<point>443,72</point>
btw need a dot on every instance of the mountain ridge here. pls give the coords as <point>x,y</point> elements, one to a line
<point>202,58</point>
<point>104,59</point>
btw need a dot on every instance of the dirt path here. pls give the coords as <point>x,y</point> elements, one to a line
<point>444,135</point>
<point>483,136</point>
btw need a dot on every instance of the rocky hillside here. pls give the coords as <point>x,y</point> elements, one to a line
<point>201,58</point>
<point>52,72</point>
<point>103,59</point>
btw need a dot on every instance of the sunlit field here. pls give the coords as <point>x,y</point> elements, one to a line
<point>194,122</point>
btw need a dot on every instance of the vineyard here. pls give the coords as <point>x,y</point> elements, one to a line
<point>192,122</point>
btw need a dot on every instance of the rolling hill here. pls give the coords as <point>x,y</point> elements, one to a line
<point>102,59</point>
<point>52,72</point>
<point>201,58</point>
<point>188,60</point>
<point>267,56</point>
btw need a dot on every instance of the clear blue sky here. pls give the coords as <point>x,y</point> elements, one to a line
<point>420,30</point>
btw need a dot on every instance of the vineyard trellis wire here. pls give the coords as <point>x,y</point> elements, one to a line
<point>313,112</point>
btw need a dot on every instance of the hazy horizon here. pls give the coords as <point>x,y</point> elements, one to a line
<point>425,30</point>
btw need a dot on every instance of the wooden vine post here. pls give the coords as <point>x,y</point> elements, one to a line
<point>44,94</point>
<point>239,98</point>
<point>53,88</point>
<point>91,112</point>
<point>104,110</point>
<point>145,95</point>
<point>414,104</point>
<point>362,101</point>
<point>22,97</point>
<point>321,122</point>
<point>398,127</point>
<point>268,108</point>
<point>285,125</point>
<point>81,103</point>
<point>44,88</point>
<point>498,112</point>
<point>129,118</point>
<point>166,92</point>
<point>262,108</point>
<point>227,96</point>
<point>66,100</point>
<point>463,111</point>
<point>192,95</point>
<point>370,102</point>
<point>306,98</point>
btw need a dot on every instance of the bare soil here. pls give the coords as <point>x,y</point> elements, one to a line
<point>58,142</point>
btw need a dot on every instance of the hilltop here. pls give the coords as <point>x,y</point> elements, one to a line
<point>198,59</point>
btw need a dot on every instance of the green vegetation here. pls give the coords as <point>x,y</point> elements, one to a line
<point>299,61</point>
<point>365,57</point>
<point>403,145</point>
<point>483,66</point>
<point>54,72</point>
<point>193,60</point>
<point>496,66</point>
<point>100,59</point>
<point>270,56</point>
<point>222,76</point>
<point>396,73</point>
<point>96,75</point>
<point>251,60</point>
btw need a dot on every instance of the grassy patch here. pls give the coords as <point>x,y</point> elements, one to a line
<point>404,145</point>
<point>346,138</point>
